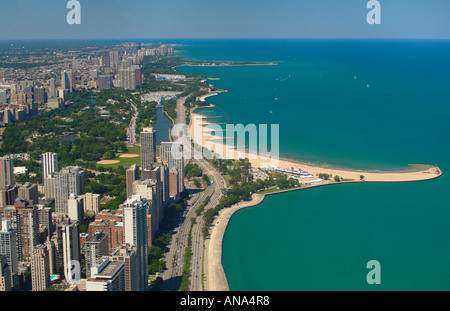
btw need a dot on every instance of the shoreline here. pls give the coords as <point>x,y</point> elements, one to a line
<point>216,279</point>
<point>416,172</point>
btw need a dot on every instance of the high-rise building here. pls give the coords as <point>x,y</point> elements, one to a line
<point>58,256</point>
<point>51,249</point>
<point>24,219</point>
<point>127,78</point>
<point>40,96</point>
<point>49,164</point>
<point>148,147</point>
<point>71,248</point>
<point>52,88</point>
<point>68,180</point>
<point>49,186</point>
<point>7,196</point>
<point>105,82</point>
<point>113,59</point>
<point>105,62</point>
<point>132,175</point>
<point>95,247</point>
<point>107,275</point>
<point>165,184</point>
<point>75,207</point>
<point>127,254</point>
<point>91,203</point>
<point>174,182</point>
<point>40,268</point>
<point>172,153</point>
<point>68,80</point>
<point>28,192</point>
<point>5,275</point>
<point>45,219</point>
<point>149,190</point>
<point>8,248</point>
<point>6,172</point>
<point>138,74</point>
<point>135,234</point>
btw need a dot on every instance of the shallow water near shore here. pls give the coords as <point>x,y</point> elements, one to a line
<point>376,105</point>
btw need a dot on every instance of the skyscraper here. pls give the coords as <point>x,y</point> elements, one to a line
<point>75,207</point>
<point>113,59</point>
<point>68,80</point>
<point>40,268</point>
<point>135,234</point>
<point>71,249</point>
<point>52,88</point>
<point>127,78</point>
<point>6,172</point>
<point>132,175</point>
<point>105,82</point>
<point>5,275</point>
<point>95,247</point>
<point>127,254</point>
<point>91,203</point>
<point>68,180</point>
<point>148,147</point>
<point>24,219</point>
<point>49,164</point>
<point>8,248</point>
<point>28,192</point>
<point>172,153</point>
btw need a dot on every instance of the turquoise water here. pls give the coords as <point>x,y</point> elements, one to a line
<point>394,113</point>
<point>162,126</point>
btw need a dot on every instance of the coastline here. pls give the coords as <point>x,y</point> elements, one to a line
<point>415,172</point>
<point>216,279</point>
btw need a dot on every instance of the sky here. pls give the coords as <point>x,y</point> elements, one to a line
<point>123,19</point>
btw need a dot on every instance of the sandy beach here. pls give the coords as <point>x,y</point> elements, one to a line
<point>416,172</point>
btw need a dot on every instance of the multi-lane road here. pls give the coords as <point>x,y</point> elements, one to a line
<point>175,252</point>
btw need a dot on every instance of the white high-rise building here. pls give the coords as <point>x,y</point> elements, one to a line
<point>172,153</point>
<point>71,250</point>
<point>49,164</point>
<point>91,203</point>
<point>68,180</point>
<point>136,234</point>
<point>127,78</point>
<point>75,207</point>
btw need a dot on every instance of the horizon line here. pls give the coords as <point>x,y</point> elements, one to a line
<point>222,38</point>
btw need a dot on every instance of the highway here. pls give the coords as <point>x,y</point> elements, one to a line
<point>176,249</point>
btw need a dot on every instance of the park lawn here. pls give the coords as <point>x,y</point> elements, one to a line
<point>126,162</point>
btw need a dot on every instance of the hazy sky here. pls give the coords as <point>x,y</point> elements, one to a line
<point>122,19</point>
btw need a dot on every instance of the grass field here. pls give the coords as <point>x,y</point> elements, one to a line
<point>126,162</point>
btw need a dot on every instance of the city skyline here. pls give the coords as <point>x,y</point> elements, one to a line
<point>198,19</point>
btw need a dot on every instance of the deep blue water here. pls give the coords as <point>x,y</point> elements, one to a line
<point>366,104</point>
